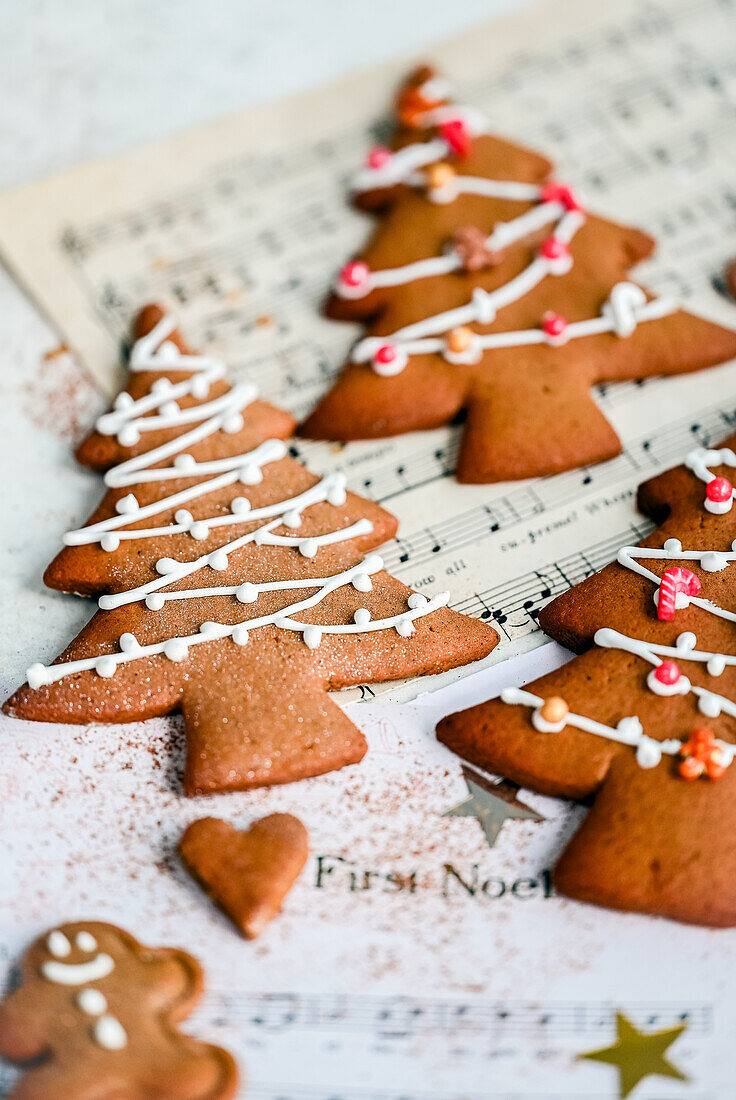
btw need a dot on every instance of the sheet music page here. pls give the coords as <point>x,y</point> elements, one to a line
<point>412,961</point>
<point>242,225</point>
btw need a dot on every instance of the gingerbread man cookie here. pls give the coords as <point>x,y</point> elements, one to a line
<point>99,1011</point>
<point>489,290</point>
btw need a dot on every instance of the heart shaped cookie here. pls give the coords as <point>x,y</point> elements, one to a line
<point>247,874</point>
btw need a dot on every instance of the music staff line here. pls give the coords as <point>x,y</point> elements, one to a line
<point>305,1092</point>
<point>407,1017</point>
<point>643,456</point>
<point>327,1092</point>
<point>227,181</point>
<point>260,172</point>
<point>525,595</point>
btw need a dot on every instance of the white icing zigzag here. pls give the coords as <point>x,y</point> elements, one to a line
<point>626,308</point>
<point>629,730</point>
<point>128,421</point>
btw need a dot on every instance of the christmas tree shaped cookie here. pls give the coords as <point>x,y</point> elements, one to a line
<point>644,720</point>
<point>488,289</point>
<point>233,584</point>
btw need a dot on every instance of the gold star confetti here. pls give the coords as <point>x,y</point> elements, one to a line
<point>491,804</point>
<point>638,1054</point>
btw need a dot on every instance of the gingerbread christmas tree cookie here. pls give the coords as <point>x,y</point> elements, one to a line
<point>97,1013</point>
<point>488,289</point>
<point>233,584</point>
<point>644,720</point>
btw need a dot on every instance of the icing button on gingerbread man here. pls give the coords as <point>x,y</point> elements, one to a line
<point>100,1009</point>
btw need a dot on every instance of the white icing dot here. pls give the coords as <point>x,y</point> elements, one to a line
<point>36,675</point>
<point>128,642</point>
<point>218,561</point>
<point>92,1002</point>
<point>232,423</point>
<point>109,542</point>
<point>312,637</point>
<point>183,516</point>
<point>373,563</point>
<point>336,494</point>
<point>246,593</point>
<point>405,627</point>
<point>630,728</point>
<point>673,546</point>
<point>308,548</point>
<point>176,649</point>
<point>85,941</point>
<point>362,582</point>
<point>686,641</point>
<point>122,401</point>
<point>716,665</point>
<point>417,600</point>
<point>709,705</point>
<point>362,616</point>
<point>58,944</point>
<point>240,635</point>
<point>199,386</point>
<point>199,531</point>
<point>110,1033</point>
<point>126,505</point>
<point>170,408</point>
<point>185,462</point>
<point>160,386</point>
<point>128,435</point>
<point>168,352</point>
<point>250,475</point>
<point>209,629</point>
<point>713,562</point>
<point>164,566</point>
<point>105,666</point>
<point>154,601</point>
<point>240,506</point>
<point>292,519</point>
<point>648,753</point>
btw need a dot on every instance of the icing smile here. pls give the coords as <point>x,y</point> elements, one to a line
<point>78,974</point>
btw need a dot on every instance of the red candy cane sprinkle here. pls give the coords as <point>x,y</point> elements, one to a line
<point>457,135</point>
<point>667,673</point>
<point>719,490</point>
<point>674,581</point>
